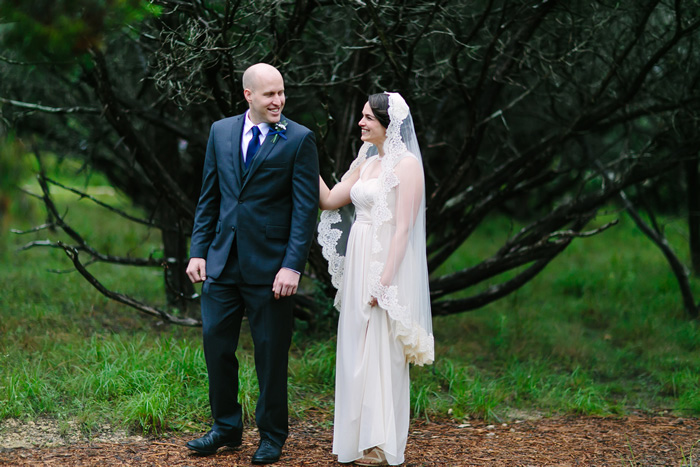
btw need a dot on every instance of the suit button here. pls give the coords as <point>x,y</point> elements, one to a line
<point>233,228</point>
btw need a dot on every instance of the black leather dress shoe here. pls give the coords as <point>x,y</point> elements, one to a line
<point>209,443</point>
<point>267,453</point>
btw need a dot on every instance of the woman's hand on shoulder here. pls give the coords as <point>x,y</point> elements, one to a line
<point>339,195</point>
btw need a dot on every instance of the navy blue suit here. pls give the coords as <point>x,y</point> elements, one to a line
<point>249,223</point>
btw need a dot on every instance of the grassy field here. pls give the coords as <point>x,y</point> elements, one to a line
<point>601,331</point>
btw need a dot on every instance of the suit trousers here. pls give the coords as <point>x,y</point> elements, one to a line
<point>224,301</point>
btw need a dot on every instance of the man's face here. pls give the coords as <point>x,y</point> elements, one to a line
<point>266,99</point>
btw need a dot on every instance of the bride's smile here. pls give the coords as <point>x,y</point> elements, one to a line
<point>371,130</point>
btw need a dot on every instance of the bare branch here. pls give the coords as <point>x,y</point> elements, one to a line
<point>82,244</point>
<point>617,62</point>
<point>654,234</point>
<point>387,42</point>
<point>157,174</point>
<point>38,228</point>
<point>121,298</point>
<point>493,293</point>
<point>51,110</point>
<point>117,211</point>
<point>589,233</point>
<point>638,81</point>
<point>38,243</point>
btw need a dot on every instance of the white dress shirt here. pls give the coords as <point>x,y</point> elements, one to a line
<point>248,134</point>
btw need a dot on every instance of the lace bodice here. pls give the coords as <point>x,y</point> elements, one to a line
<point>364,193</point>
<point>362,196</point>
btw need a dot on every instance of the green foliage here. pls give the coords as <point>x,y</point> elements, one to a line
<point>66,351</point>
<point>541,93</point>
<point>14,166</point>
<point>601,332</point>
<point>311,376</point>
<point>65,29</point>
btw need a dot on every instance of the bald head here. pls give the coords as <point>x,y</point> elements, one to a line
<point>257,73</point>
<point>263,88</point>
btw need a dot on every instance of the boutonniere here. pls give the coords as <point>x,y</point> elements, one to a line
<point>279,130</point>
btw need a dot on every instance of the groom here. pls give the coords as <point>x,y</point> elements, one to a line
<point>253,227</point>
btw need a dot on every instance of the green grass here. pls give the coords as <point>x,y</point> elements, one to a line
<point>600,332</point>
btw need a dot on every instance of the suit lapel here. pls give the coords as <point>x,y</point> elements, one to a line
<point>267,147</point>
<point>236,134</point>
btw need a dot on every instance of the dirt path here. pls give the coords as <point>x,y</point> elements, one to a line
<point>581,441</point>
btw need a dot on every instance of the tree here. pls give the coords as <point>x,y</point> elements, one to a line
<point>545,110</point>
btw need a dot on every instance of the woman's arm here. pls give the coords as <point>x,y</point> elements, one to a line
<point>409,194</point>
<point>339,196</point>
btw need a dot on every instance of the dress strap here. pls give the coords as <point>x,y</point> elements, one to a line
<point>366,164</point>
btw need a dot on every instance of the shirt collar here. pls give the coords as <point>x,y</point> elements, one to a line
<point>264,127</point>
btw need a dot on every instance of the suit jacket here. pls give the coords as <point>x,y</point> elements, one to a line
<point>267,213</point>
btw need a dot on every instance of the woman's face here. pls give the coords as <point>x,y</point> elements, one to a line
<point>372,131</point>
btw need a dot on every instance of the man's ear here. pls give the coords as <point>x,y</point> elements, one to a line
<point>248,94</point>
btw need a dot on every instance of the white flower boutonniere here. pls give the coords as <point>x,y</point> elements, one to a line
<point>279,130</point>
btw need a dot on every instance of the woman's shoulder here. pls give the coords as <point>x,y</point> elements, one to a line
<point>365,163</point>
<point>409,160</point>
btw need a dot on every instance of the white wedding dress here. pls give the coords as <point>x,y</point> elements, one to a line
<point>383,256</point>
<point>372,402</point>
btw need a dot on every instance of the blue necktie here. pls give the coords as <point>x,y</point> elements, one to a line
<point>252,146</point>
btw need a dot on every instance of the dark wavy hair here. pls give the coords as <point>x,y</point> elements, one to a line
<point>379,103</point>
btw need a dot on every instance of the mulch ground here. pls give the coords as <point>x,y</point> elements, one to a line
<point>580,441</point>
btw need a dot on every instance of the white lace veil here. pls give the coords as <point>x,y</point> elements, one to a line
<point>398,269</point>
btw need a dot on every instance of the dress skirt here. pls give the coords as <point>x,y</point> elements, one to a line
<point>372,400</point>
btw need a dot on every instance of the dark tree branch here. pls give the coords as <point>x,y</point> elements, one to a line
<point>388,44</point>
<point>493,293</point>
<point>38,228</point>
<point>638,81</point>
<point>119,212</point>
<point>679,270</point>
<point>517,256</point>
<point>501,93</point>
<point>50,110</point>
<point>489,93</point>
<point>82,244</point>
<point>655,234</point>
<point>121,298</point>
<point>618,61</point>
<point>157,174</point>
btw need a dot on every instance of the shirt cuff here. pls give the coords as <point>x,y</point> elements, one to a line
<point>293,270</point>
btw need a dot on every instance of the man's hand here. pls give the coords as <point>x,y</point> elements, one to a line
<point>286,283</point>
<point>197,270</point>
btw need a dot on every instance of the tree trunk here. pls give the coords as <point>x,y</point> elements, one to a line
<point>178,287</point>
<point>678,269</point>
<point>692,181</point>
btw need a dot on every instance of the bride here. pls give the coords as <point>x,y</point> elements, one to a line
<point>380,270</point>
